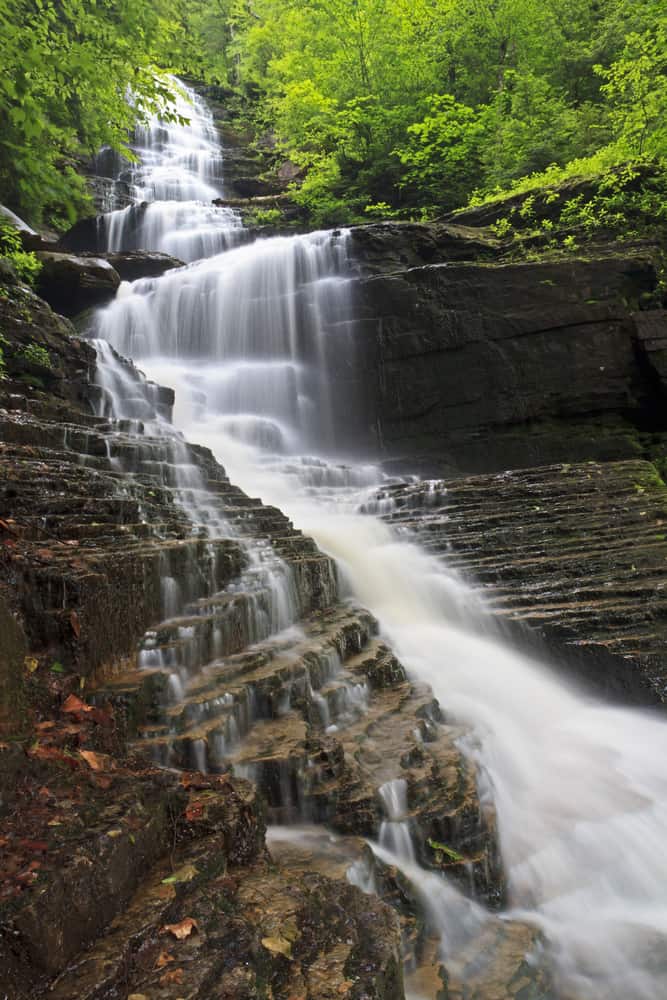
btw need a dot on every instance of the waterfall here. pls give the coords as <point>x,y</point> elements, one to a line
<point>170,186</point>
<point>247,339</point>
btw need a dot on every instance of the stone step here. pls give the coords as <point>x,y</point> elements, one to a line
<point>248,926</point>
<point>225,697</point>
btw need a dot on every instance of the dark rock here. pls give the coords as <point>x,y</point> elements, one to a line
<point>475,367</point>
<point>71,284</point>
<point>86,235</point>
<point>13,649</point>
<point>572,561</point>
<point>253,187</point>
<point>141,264</point>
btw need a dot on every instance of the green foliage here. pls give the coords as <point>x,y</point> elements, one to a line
<point>417,104</point>
<point>441,849</point>
<point>25,264</point>
<point>263,217</point>
<point>36,355</point>
<point>387,106</point>
<point>444,153</point>
<point>68,66</point>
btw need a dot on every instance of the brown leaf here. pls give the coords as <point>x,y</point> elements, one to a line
<point>174,977</point>
<point>164,958</point>
<point>75,623</point>
<point>95,761</point>
<point>102,716</point>
<point>182,930</point>
<point>40,846</point>
<point>74,705</point>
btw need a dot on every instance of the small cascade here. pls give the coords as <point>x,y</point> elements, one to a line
<point>249,338</point>
<point>171,186</point>
<point>395,833</point>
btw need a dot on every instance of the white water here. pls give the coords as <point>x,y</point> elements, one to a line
<point>174,182</point>
<point>246,339</point>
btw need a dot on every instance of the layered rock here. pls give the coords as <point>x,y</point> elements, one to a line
<point>570,560</point>
<point>472,366</point>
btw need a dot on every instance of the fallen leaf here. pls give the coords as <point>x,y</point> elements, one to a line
<point>34,845</point>
<point>164,958</point>
<point>194,811</point>
<point>31,664</point>
<point>175,977</point>
<point>42,726</point>
<point>278,946</point>
<point>95,761</point>
<point>75,623</point>
<point>182,930</point>
<point>166,891</point>
<point>74,705</point>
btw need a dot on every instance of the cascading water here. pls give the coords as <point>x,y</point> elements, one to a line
<point>177,175</point>
<point>246,338</point>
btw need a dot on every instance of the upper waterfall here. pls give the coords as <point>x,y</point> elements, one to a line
<point>171,185</point>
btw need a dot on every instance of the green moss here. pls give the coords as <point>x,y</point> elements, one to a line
<point>449,852</point>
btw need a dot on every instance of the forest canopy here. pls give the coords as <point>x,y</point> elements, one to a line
<point>409,107</point>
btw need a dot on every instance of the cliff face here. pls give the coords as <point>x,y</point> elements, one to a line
<point>472,364</point>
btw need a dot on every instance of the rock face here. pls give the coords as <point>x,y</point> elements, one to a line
<point>474,366</point>
<point>571,559</point>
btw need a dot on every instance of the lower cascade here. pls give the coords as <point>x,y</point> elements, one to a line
<point>302,640</point>
<point>247,339</point>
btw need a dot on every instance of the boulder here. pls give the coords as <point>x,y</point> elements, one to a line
<point>135,264</point>
<point>71,284</point>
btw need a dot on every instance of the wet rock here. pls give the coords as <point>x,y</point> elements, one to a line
<point>141,264</point>
<point>571,558</point>
<point>86,235</point>
<point>485,366</point>
<point>71,284</point>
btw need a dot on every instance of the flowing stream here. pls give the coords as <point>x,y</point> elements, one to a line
<point>246,337</point>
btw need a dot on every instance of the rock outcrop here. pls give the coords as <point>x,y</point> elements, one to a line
<point>570,560</point>
<point>470,364</point>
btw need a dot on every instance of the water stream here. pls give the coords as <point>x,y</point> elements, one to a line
<point>246,338</point>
